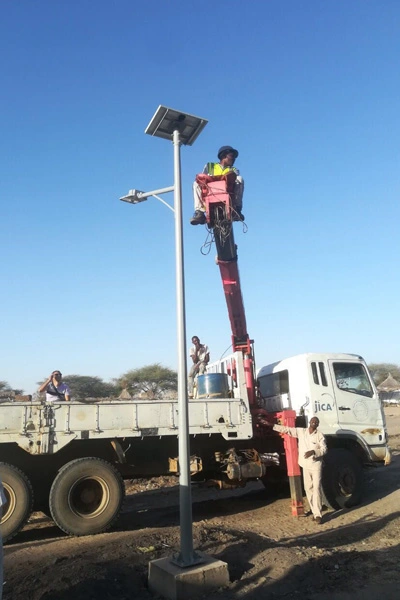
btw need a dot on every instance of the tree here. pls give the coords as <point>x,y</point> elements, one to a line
<point>380,371</point>
<point>5,387</point>
<point>85,386</point>
<point>153,380</point>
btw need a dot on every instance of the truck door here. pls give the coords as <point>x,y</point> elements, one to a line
<point>322,394</point>
<point>358,405</point>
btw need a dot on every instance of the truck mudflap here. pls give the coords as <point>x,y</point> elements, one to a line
<point>388,456</point>
<point>381,454</point>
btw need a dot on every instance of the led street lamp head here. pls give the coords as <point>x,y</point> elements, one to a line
<point>134,197</point>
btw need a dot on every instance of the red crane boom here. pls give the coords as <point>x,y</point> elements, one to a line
<point>217,192</point>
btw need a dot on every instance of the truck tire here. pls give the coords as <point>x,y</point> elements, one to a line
<point>342,479</point>
<point>19,500</point>
<point>86,496</point>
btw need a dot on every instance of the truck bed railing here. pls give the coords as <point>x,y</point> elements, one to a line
<point>41,428</point>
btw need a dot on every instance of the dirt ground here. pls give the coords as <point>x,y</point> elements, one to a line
<point>354,554</point>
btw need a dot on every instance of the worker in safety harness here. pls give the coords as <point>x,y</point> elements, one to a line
<point>227,156</point>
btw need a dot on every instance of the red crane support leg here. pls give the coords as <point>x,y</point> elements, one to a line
<point>249,375</point>
<point>288,418</point>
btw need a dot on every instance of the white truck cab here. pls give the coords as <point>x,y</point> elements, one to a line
<point>338,389</point>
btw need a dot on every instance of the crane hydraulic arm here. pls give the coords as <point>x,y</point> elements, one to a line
<point>216,192</point>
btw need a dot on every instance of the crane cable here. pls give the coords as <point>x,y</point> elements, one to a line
<point>223,226</point>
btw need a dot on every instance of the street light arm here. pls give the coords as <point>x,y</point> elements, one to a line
<point>135,196</point>
<point>143,195</point>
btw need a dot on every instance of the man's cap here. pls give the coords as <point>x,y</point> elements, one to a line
<point>224,150</point>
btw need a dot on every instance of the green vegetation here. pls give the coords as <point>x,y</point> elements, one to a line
<point>85,386</point>
<point>5,387</point>
<point>152,380</point>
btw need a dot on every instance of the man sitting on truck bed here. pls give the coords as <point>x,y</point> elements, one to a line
<point>200,356</point>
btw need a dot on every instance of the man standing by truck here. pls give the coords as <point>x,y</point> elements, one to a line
<point>312,447</point>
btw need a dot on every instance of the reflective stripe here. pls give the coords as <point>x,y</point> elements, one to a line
<point>217,169</point>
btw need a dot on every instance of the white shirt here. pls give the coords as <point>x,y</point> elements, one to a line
<point>201,353</point>
<point>63,389</point>
<point>307,441</point>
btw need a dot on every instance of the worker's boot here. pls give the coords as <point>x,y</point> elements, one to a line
<point>198,218</point>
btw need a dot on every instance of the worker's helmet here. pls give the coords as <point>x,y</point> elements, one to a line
<point>224,150</point>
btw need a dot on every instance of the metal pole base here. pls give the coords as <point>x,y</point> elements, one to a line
<point>180,561</point>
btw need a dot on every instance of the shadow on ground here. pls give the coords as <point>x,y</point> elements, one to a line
<point>321,567</point>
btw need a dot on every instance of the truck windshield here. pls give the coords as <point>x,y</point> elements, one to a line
<point>274,384</point>
<point>352,378</point>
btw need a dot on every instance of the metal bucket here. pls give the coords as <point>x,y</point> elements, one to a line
<point>212,385</point>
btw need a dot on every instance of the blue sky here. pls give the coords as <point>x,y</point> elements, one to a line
<point>308,91</point>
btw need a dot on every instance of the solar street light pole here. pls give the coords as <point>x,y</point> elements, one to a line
<point>181,128</point>
<point>186,556</point>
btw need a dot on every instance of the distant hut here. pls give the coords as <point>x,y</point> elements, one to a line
<point>389,390</point>
<point>124,395</point>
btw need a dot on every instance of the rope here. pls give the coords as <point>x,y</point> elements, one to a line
<point>206,247</point>
<point>222,225</point>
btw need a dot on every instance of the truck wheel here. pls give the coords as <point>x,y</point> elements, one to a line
<point>342,479</point>
<point>19,500</point>
<point>86,496</point>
